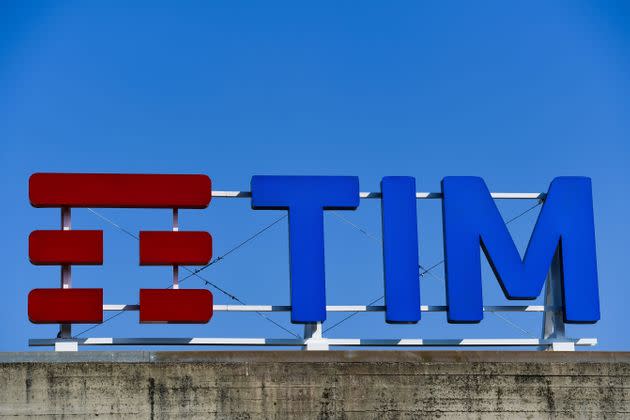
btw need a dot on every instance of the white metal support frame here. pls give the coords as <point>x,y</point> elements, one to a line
<point>553,330</point>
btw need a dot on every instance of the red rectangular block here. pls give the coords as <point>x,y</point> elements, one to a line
<point>66,247</point>
<point>175,306</point>
<point>65,306</point>
<point>120,190</point>
<point>175,248</point>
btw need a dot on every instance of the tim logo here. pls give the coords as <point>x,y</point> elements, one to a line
<point>67,247</point>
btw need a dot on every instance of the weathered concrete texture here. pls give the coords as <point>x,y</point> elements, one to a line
<point>352,385</point>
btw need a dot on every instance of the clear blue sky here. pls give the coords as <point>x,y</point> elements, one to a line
<point>515,92</point>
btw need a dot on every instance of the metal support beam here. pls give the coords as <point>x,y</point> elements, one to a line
<point>419,195</point>
<point>340,308</point>
<point>65,330</point>
<point>313,337</point>
<point>553,321</point>
<point>359,342</point>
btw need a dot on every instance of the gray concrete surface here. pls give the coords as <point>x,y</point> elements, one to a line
<point>315,385</point>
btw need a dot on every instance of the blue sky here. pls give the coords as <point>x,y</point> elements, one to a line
<point>517,93</point>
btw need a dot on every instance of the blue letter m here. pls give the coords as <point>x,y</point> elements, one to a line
<point>472,221</point>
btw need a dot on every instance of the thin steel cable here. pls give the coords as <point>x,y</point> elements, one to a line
<point>98,325</point>
<point>434,266</point>
<point>513,324</point>
<point>198,270</point>
<point>111,222</point>
<point>219,259</point>
<point>380,241</point>
<point>347,317</point>
<point>538,203</point>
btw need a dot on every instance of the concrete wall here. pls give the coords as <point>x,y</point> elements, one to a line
<point>352,385</point>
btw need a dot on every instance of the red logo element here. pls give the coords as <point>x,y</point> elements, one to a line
<point>120,191</point>
<point>175,248</point>
<point>65,306</point>
<point>66,247</point>
<point>192,306</point>
<point>85,247</point>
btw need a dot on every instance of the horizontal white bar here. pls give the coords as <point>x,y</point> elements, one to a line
<point>514,308</point>
<point>408,342</point>
<point>419,195</point>
<point>168,341</point>
<point>457,342</point>
<point>121,307</point>
<point>518,196</point>
<point>342,308</point>
<point>251,308</point>
<point>231,194</point>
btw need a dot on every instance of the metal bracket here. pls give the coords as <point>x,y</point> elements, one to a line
<point>553,321</point>
<point>313,339</point>
<point>66,345</point>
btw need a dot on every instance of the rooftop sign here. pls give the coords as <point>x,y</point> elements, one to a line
<point>471,222</point>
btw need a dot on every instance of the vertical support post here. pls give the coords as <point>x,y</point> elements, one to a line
<point>553,321</point>
<point>65,330</point>
<point>313,337</point>
<point>175,267</point>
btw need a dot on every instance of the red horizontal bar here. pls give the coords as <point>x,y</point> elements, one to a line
<point>65,306</point>
<point>66,247</point>
<point>175,248</point>
<point>179,306</point>
<point>120,190</point>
